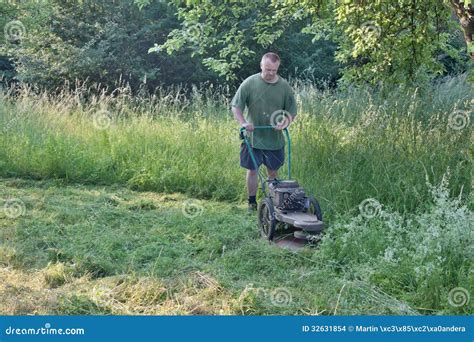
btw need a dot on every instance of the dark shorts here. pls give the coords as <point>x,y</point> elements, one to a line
<point>273,159</point>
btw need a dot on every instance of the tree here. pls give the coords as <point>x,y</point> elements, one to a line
<point>465,12</point>
<point>102,42</point>
<point>393,41</point>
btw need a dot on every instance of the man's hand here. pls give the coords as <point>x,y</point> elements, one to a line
<point>285,123</point>
<point>240,118</point>
<point>248,126</point>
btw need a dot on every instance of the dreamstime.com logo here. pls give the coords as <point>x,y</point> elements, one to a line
<point>11,123</point>
<point>459,119</point>
<point>46,330</point>
<point>280,296</point>
<point>370,31</point>
<point>370,208</point>
<point>14,31</point>
<point>14,208</point>
<point>194,31</point>
<point>280,119</point>
<point>102,119</point>
<point>458,297</point>
<point>192,208</point>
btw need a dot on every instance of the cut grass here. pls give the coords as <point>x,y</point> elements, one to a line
<point>110,250</point>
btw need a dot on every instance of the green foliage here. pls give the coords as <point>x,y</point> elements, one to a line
<point>104,43</point>
<point>378,41</point>
<point>392,41</point>
<point>200,41</point>
<point>426,253</point>
<point>458,62</point>
<point>230,33</point>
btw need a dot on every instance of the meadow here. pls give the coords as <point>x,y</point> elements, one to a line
<point>135,204</point>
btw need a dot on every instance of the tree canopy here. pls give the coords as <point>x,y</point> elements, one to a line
<point>154,42</point>
<point>390,41</point>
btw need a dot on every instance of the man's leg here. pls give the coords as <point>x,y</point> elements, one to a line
<point>252,184</point>
<point>272,174</point>
<point>252,174</point>
<point>273,160</point>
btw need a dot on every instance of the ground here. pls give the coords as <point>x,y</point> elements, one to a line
<point>89,249</point>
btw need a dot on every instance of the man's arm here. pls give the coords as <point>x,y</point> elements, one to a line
<point>239,116</point>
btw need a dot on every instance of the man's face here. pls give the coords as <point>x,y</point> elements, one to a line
<point>269,69</point>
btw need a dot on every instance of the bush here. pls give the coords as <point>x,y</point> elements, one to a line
<point>426,254</point>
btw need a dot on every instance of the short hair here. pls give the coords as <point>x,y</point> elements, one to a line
<point>273,57</point>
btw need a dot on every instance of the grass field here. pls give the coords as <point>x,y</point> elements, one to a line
<point>108,250</point>
<point>134,205</point>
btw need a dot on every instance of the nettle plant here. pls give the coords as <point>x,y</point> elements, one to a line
<point>430,250</point>
<point>382,40</point>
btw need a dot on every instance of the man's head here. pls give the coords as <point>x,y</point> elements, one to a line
<point>269,65</point>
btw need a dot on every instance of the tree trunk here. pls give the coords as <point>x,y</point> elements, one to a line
<point>465,15</point>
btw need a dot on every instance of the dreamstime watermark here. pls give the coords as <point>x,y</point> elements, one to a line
<point>109,25</point>
<point>14,208</point>
<point>102,119</point>
<point>296,198</point>
<point>459,119</point>
<point>279,296</point>
<point>46,330</point>
<point>370,208</point>
<point>14,30</point>
<point>280,119</point>
<point>192,208</point>
<point>10,124</point>
<point>370,30</point>
<point>314,238</point>
<point>94,216</point>
<point>193,31</point>
<point>458,297</point>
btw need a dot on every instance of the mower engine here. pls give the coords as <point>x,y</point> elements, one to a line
<point>287,195</point>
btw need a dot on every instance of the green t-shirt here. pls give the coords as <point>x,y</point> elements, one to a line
<point>262,100</point>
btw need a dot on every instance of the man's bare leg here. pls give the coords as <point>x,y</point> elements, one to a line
<point>252,182</point>
<point>272,174</point>
<point>252,186</point>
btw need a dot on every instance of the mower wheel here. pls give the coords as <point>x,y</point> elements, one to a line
<point>266,218</point>
<point>314,208</point>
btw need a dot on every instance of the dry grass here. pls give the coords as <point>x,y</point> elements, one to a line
<point>196,294</point>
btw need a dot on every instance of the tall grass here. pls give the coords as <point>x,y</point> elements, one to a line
<point>346,146</point>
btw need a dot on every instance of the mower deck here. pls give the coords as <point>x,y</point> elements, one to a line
<point>291,242</point>
<point>300,220</point>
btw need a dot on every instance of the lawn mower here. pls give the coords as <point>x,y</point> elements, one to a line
<point>286,214</point>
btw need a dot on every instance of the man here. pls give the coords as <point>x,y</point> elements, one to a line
<point>270,102</point>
